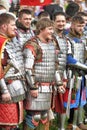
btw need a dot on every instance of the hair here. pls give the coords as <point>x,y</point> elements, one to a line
<point>57,14</point>
<point>24,11</point>
<point>5,18</point>
<point>43,23</point>
<point>77,19</point>
<point>81,14</point>
<point>43,14</point>
<point>72,9</point>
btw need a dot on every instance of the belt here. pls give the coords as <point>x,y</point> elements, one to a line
<point>15,78</point>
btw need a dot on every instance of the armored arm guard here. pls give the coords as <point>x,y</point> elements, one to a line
<point>76,60</point>
<point>58,78</point>
<point>29,62</point>
<point>30,80</point>
<point>81,66</point>
<point>3,86</point>
<point>71,62</point>
<point>28,58</point>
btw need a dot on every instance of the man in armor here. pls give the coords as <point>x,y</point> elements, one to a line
<point>60,22</point>
<point>41,65</point>
<point>12,90</point>
<point>75,95</point>
<point>24,30</point>
<point>84,16</point>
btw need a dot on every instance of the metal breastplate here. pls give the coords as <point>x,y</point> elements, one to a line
<point>45,70</point>
<point>25,36</point>
<point>62,54</point>
<point>78,51</point>
<point>16,88</point>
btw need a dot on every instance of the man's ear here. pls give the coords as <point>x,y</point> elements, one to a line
<point>18,20</point>
<point>72,25</point>
<point>4,26</point>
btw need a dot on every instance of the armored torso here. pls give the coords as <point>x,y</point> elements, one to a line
<point>15,74</point>
<point>62,53</point>
<point>45,70</point>
<point>24,36</point>
<point>16,58</point>
<point>78,49</point>
<point>44,74</point>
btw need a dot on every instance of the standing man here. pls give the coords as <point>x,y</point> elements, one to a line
<point>41,64</point>
<point>24,26</point>
<point>60,22</point>
<point>11,74</point>
<point>76,73</point>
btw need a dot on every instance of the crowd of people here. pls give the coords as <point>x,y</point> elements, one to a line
<point>43,66</point>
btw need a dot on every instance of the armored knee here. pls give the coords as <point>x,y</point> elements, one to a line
<point>44,117</point>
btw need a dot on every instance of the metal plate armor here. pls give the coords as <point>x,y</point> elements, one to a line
<point>16,71</point>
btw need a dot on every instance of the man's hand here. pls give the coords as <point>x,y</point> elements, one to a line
<point>64,84</point>
<point>6,97</point>
<point>34,93</point>
<point>61,89</point>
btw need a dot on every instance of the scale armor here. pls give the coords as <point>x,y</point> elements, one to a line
<point>78,50</point>
<point>24,36</point>
<point>62,55</point>
<point>44,72</point>
<point>42,69</point>
<point>16,71</point>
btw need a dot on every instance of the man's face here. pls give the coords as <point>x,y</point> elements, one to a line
<point>60,22</point>
<point>10,29</point>
<point>25,20</point>
<point>78,28</point>
<point>47,33</point>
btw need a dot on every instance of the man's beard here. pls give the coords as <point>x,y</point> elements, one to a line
<point>11,36</point>
<point>78,33</point>
<point>49,39</point>
<point>59,30</point>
